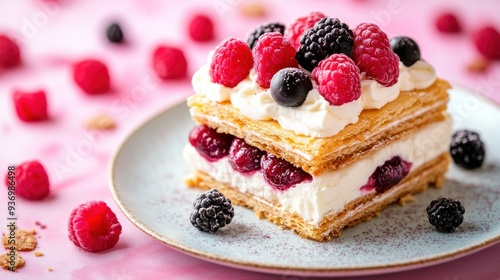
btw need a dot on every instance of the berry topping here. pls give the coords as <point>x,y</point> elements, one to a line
<point>10,55</point>
<point>209,143</point>
<point>212,211</point>
<point>338,79</point>
<point>467,149</point>
<point>406,49</point>
<point>448,23</point>
<point>231,62</point>
<point>290,86</point>
<point>388,175</point>
<point>91,76</point>
<point>487,41</point>
<point>30,181</point>
<point>445,214</point>
<point>281,174</point>
<point>326,37</point>
<point>114,33</point>
<point>201,28</point>
<point>31,106</point>
<point>374,56</point>
<point>272,53</point>
<point>300,26</point>
<point>261,30</point>
<point>243,157</point>
<point>169,63</point>
<point>94,227</point>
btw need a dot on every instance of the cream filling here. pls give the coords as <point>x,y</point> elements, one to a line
<point>329,192</point>
<point>316,117</point>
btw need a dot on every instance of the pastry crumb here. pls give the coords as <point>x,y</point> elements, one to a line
<point>25,240</point>
<point>478,65</point>
<point>406,199</point>
<point>101,122</point>
<point>49,269</point>
<point>11,263</point>
<point>38,254</point>
<point>253,9</point>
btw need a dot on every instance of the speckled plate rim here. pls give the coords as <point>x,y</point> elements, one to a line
<point>282,270</point>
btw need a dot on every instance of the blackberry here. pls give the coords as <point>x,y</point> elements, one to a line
<point>406,49</point>
<point>467,149</point>
<point>114,33</point>
<point>326,37</point>
<point>265,28</point>
<point>212,211</point>
<point>290,86</point>
<point>445,214</point>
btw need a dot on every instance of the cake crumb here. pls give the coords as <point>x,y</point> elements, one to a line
<point>406,199</point>
<point>253,9</point>
<point>5,261</point>
<point>101,122</point>
<point>49,269</point>
<point>25,240</point>
<point>478,65</point>
<point>38,254</point>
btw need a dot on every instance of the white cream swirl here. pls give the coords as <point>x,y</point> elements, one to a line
<point>316,117</point>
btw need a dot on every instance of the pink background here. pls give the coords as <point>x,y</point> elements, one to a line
<point>54,34</point>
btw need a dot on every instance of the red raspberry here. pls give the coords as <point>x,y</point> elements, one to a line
<point>209,143</point>
<point>94,227</point>
<point>338,79</point>
<point>169,63</point>
<point>91,76</point>
<point>299,26</point>
<point>31,106</point>
<point>373,54</point>
<point>272,53</point>
<point>31,181</point>
<point>281,174</point>
<point>487,41</point>
<point>10,55</point>
<point>201,28</point>
<point>231,62</point>
<point>448,23</point>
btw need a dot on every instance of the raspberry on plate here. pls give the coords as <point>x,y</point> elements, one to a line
<point>201,28</point>
<point>487,41</point>
<point>30,106</point>
<point>263,29</point>
<point>94,227</point>
<point>10,56</point>
<point>91,76</point>
<point>231,62</point>
<point>448,23</point>
<point>30,181</point>
<point>209,143</point>
<point>272,53</point>
<point>295,31</point>
<point>374,56</point>
<point>338,79</point>
<point>326,37</point>
<point>169,63</point>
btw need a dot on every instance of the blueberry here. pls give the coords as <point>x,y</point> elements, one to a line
<point>290,86</point>
<point>114,33</point>
<point>407,50</point>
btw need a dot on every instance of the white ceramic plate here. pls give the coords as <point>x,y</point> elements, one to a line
<point>146,179</point>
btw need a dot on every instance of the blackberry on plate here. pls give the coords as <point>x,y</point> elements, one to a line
<point>467,149</point>
<point>265,28</point>
<point>211,211</point>
<point>290,86</point>
<point>407,50</point>
<point>445,214</point>
<point>326,37</point>
<point>114,33</point>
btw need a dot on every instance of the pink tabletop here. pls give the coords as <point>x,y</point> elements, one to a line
<point>54,34</point>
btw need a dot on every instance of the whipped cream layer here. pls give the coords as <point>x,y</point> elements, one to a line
<point>329,192</point>
<point>316,117</point>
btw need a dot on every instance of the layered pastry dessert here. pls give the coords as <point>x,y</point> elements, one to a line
<point>318,127</point>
